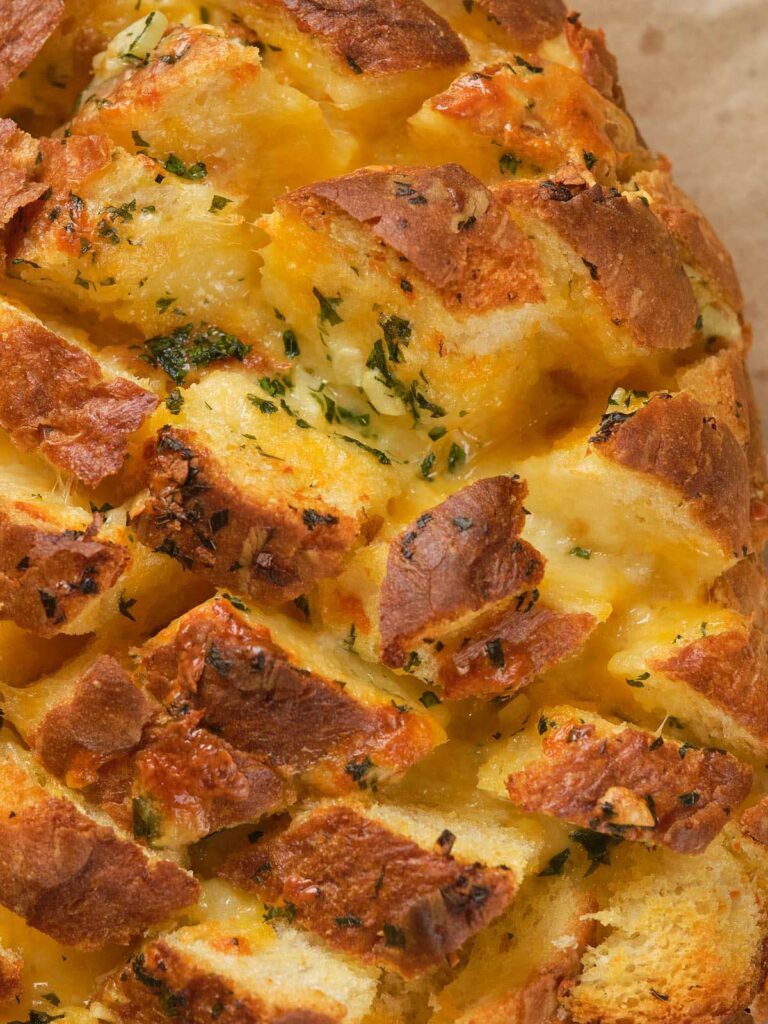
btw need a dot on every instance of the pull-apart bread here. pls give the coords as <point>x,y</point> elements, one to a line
<point>382,515</point>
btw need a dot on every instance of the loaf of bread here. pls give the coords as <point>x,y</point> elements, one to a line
<point>382,516</point>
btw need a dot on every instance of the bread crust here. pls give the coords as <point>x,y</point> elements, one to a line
<point>462,556</point>
<point>696,239</point>
<point>79,881</point>
<point>198,515</point>
<point>410,907</point>
<point>529,22</point>
<point>631,257</point>
<point>253,694</point>
<point>11,974</point>
<point>18,153</point>
<point>160,978</point>
<point>598,64</point>
<point>744,587</point>
<point>382,38</point>
<point>730,669</point>
<point>592,780</point>
<point>511,649</point>
<point>27,25</point>
<point>48,576</point>
<point>57,399</point>
<point>441,219</point>
<point>673,440</point>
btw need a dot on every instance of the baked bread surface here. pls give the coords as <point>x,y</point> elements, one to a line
<point>382,518</point>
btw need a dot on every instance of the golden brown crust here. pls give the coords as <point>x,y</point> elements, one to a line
<point>529,22</point>
<point>730,669</point>
<point>371,892</point>
<point>460,557</point>
<point>18,153</point>
<point>631,257</point>
<point>251,694</point>
<point>79,881</point>
<point>27,24</point>
<point>598,64</point>
<point>47,577</point>
<point>698,244</point>
<point>160,982</point>
<point>672,439</point>
<point>744,587</point>
<point>684,794</point>
<point>387,37</point>
<point>511,649</point>
<point>201,783</point>
<point>57,399</point>
<point>198,515</point>
<point>105,716</point>
<point>441,219</point>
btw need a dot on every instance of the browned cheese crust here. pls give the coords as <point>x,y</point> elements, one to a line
<point>47,577</point>
<point>511,649</point>
<point>386,37</point>
<point>444,221</point>
<point>696,239</point>
<point>631,257</point>
<point>631,784</point>
<point>731,670</point>
<point>80,882</point>
<point>460,557</point>
<point>251,694</point>
<point>18,152</point>
<point>26,25</point>
<point>55,398</point>
<point>160,982</point>
<point>197,514</point>
<point>529,22</point>
<point>598,64</point>
<point>110,742</point>
<point>371,892</point>
<point>672,439</point>
<point>744,587</point>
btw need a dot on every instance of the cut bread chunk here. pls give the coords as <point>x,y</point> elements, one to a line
<point>455,597</point>
<point>264,137</point>
<point>658,473</point>
<point>276,687</point>
<point>711,266</point>
<point>514,118</point>
<point>370,63</point>
<point>628,253</point>
<point>209,724</point>
<point>58,562</point>
<point>519,963</point>
<point>240,963</point>
<point>124,236</point>
<point>71,876</point>
<point>744,589</point>
<point>708,667</point>
<point>18,152</point>
<point>58,400</point>
<point>448,308</point>
<point>244,491</point>
<point>684,942</point>
<point>618,779</point>
<point>395,886</point>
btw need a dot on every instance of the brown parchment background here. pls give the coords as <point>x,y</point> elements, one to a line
<point>696,77</point>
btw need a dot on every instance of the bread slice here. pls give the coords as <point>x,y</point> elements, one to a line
<point>400,886</point>
<point>72,876</point>
<point>619,780</point>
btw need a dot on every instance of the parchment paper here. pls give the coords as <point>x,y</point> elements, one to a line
<point>696,77</point>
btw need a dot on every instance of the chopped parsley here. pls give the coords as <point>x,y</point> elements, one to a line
<point>556,864</point>
<point>193,172</point>
<point>429,699</point>
<point>328,314</point>
<point>218,203</point>
<point>188,347</point>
